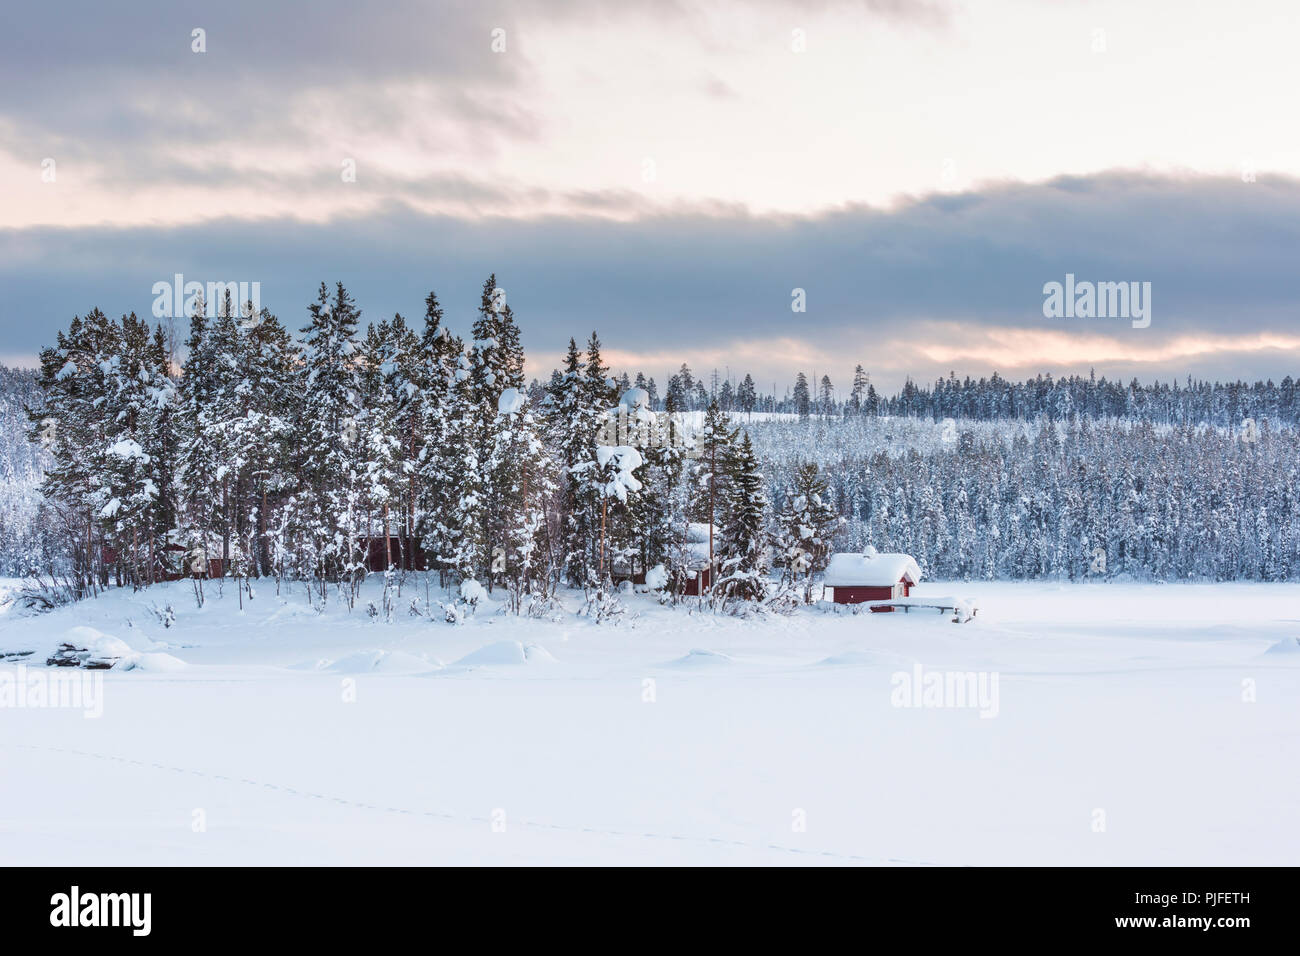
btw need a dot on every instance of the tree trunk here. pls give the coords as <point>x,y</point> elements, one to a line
<point>266,543</point>
<point>604,507</point>
<point>388,543</point>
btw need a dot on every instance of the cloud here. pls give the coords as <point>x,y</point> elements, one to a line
<point>144,129</point>
<point>931,284</point>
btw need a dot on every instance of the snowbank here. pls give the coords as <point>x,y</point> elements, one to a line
<point>379,661</point>
<point>700,658</point>
<point>506,654</point>
<point>1288,645</point>
<point>105,648</point>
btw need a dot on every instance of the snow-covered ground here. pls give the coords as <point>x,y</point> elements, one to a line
<point>1131,725</point>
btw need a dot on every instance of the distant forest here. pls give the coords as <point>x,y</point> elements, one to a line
<point>989,399</point>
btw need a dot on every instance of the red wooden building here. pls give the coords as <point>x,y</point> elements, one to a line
<point>871,576</point>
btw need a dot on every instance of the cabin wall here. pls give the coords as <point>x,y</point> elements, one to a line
<point>856,595</point>
<point>697,581</point>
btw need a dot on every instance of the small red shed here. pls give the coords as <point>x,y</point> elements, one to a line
<point>853,578</point>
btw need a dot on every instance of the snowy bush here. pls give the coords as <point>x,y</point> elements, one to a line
<point>546,607</point>
<point>603,607</point>
<point>656,579</point>
<point>472,593</point>
<point>166,616</point>
<point>38,594</point>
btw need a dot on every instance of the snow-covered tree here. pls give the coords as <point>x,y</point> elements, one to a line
<point>806,527</point>
<point>524,483</point>
<point>743,539</point>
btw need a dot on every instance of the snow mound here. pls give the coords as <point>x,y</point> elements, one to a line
<point>701,658</point>
<point>537,654</point>
<point>156,662</point>
<point>656,579</point>
<point>106,648</point>
<point>98,643</point>
<point>291,609</point>
<point>378,661</point>
<point>1288,645</point>
<point>506,654</point>
<point>858,659</point>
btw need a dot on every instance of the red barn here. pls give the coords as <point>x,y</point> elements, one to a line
<point>870,576</point>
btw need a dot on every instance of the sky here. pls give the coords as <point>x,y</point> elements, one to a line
<point>679,175</point>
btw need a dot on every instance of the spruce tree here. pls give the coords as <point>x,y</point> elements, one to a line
<point>743,538</point>
<point>329,503</point>
<point>807,526</point>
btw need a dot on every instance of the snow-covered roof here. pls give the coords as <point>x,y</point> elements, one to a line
<point>871,570</point>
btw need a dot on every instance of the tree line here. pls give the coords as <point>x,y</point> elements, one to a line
<point>299,458</point>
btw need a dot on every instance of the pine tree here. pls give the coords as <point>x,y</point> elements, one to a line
<point>438,463</point>
<point>464,525</point>
<point>567,431</point>
<point>858,394</point>
<point>329,502</point>
<point>200,447</point>
<point>269,359</point>
<point>524,479</point>
<point>406,384</point>
<point>743,538</point>
<point>380,441</point>
<point>581,417</point>
<point>710,473</point>
<point>132,494</point>
<point>806,528</point>
<point>801,396</point>
<point>496,365</point>
<point>72,423</point>
<point>746,395</point>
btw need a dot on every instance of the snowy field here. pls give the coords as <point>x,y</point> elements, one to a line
<point>1131,725</point>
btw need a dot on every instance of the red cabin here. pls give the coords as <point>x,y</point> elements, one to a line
<point>871,576</point>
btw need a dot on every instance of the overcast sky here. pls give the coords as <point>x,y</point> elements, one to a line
<point>668,172</point>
